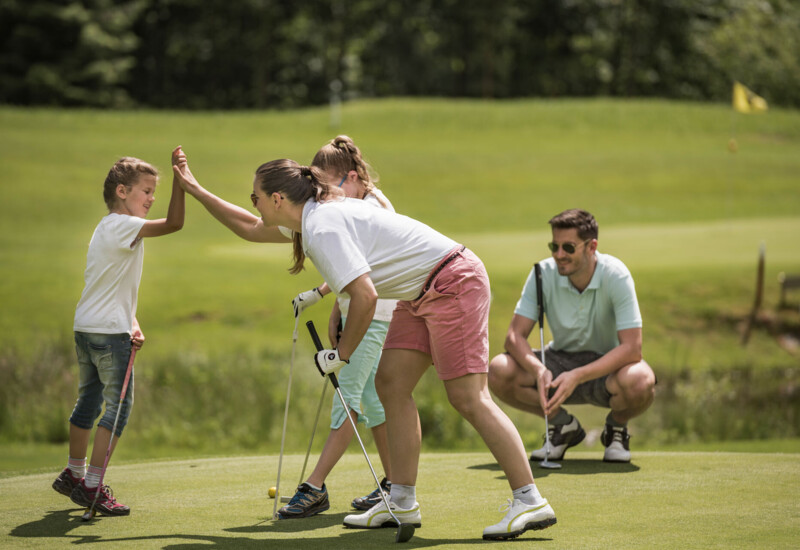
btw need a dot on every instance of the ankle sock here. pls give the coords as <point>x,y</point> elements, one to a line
<point>77,466</point>
<point>92,478</point>
<point>403,496</point>
<point>314,486</point>
<point>613,423</point>
<point>528,494</point>
<point>561,418</point>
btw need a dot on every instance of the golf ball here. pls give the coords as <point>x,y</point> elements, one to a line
<point>272,492</point>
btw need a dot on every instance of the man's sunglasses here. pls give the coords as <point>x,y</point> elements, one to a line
<point>569,248</point>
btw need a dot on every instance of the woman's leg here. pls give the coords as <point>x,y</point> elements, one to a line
<point>398,374</point>
<point>469,395</point>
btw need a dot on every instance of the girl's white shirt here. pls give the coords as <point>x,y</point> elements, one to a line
<point>111,280</point>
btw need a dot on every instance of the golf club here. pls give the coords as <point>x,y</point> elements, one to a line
<point>90,512</point>
<point>404,530</point>
<point>285,420</point>
<point>540,299</point>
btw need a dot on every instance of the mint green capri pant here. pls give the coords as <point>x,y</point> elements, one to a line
<point>357,380</point>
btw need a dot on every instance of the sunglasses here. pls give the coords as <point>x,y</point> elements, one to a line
<point>569,248</point>
<point>343,180</point>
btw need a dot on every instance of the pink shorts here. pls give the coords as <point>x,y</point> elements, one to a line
<point>449,322</point>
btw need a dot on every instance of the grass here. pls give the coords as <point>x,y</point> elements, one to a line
<point>661,500</point>
<point>684,214</point>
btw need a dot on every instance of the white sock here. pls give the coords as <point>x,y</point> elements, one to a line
<point>528,494</point>
<point>314,486</point>
<point>404,496</point>
<point>77,466</point>
<point>92,478</point>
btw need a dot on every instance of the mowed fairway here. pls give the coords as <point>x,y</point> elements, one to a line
<point>684,214</point>
<point>661,500</point>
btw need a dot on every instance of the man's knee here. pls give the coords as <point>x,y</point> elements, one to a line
<point>501,373</point>
<point>639,384</point>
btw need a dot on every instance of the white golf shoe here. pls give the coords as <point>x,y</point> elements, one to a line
<point>520,518</point>
<point>378,516</point>
<point>617,443</point>
<point>562,437</point>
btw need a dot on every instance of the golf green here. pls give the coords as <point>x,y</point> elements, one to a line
<point>660,500</point>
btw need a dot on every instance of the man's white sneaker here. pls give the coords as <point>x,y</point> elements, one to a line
<point>561,438</point>
<point>378,516</point>
<point>616,441</point>
<point>520,518</point>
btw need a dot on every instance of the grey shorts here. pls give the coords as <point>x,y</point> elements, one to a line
<point>593,392</point>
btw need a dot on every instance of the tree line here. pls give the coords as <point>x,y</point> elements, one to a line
<point>242,54</point>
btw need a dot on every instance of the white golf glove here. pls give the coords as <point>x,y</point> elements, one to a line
<point>329,362</point>
<point>305,299</point>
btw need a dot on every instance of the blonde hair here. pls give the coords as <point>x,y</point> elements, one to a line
<point>126,171</point>
<point>339,156</point>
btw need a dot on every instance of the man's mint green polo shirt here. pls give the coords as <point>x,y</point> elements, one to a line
<point>588,320</point>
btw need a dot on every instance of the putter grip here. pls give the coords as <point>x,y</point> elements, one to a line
<point>314,336</point>
<point>312,330</point>
<point>539,293</point>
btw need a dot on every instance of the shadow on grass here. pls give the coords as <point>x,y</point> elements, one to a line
<point>577,466</point>
<point>60,524</point>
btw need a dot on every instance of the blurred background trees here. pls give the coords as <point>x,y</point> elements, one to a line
<point>240,54</point>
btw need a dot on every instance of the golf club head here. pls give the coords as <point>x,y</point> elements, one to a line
<point>549,465</point>
<point>404,532</point>
<point>88,514</point>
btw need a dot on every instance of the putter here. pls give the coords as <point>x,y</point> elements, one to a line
<point>285,420</point>
<point>90,511</point>
<point>540,298</point>
<point>404,530</point>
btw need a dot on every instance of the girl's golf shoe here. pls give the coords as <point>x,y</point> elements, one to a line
<point>367,502</point>
<point>106,503</point>
<point>306,502</point>
<point>520,518</point>
<point>378,516</point>
<point>66,482</point>
<point>561,438</point>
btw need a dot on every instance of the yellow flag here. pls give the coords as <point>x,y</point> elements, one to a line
<point>745,101</point>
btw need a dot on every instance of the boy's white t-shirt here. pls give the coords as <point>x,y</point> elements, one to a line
<point>113,272</point>
<point>346,238</point>
<point>384,308</point>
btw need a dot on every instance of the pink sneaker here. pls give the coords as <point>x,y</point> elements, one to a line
<point>106,503</point>
<point>66,482</point>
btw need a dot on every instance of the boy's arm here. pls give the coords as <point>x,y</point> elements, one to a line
<point>177,207</point>
<point>137,336</point>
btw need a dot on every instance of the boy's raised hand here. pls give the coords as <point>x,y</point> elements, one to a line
<point>180,168</point>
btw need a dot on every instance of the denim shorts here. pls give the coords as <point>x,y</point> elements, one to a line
<point>357,380</point>
<point>593,392</point>
<point>103,360</point>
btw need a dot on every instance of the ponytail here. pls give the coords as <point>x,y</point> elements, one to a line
<point>339,156</point>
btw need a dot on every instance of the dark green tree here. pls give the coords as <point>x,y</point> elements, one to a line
<point>66,53</point>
